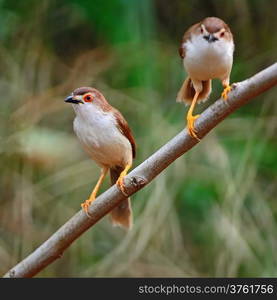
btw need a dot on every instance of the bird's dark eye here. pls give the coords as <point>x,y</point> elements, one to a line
<point>222,34</point>
<point>87,98</point>
<point>202,30</point>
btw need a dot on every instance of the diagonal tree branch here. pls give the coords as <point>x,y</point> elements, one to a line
<point>142,175</point>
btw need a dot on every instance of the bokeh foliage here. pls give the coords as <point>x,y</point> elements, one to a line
<point>211,213</point>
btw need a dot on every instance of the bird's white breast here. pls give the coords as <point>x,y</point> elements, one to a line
<point>205,60</point>
<point>100,136</point>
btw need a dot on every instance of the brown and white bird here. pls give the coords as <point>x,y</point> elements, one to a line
<point>207,52</point>
<point>107,138</point>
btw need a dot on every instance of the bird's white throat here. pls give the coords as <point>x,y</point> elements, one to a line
<point>98,132</point>
<point>204,60</point>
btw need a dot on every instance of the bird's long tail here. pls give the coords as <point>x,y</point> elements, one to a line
<point>122,214</point>
<point>187,92</point>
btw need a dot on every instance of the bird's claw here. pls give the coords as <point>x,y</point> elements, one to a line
<point>191,129</point>
<point>86,205</point>
<point>121,186</point>
<point>225,92</point>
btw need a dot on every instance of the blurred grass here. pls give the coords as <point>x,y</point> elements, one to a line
<point>211,213</point>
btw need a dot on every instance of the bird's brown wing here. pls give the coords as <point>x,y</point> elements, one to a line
<point>182,51</point>
<point>125,130</point>
<point>186,36</point>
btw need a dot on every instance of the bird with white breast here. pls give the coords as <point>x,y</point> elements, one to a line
<point>207,53</point>
<point>107,138</point>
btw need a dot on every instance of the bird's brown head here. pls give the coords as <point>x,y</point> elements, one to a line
<point>213,29</point>
<point>88,96</point>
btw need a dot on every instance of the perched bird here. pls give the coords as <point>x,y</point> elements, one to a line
<point>107,138</point>
<point>207,53</point>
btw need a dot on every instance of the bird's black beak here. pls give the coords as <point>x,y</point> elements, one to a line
<point>210,38</point>
<point>70,99</point>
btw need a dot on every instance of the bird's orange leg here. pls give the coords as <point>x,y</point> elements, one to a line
<point>120,180</point>
<point>227,89</point>
<point>92,196</point>
<point>191,118</point>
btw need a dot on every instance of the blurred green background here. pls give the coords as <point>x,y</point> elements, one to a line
<point>211,213</point>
